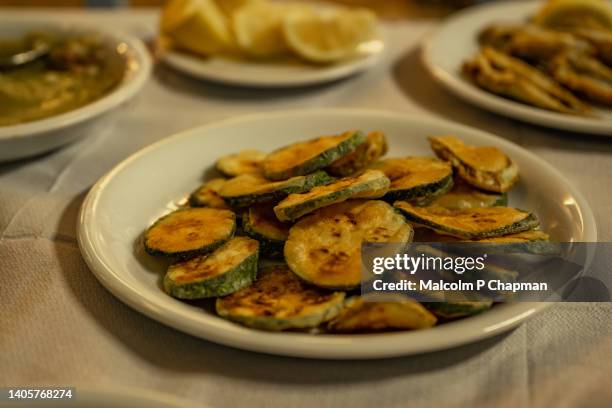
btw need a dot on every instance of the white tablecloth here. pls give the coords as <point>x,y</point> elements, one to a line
<point>58,325</point>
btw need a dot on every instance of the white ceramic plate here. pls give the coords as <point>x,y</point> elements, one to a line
<point>455,41</point>
<point>39,136</point>
<point>148,184</point>
<point>109,397</point>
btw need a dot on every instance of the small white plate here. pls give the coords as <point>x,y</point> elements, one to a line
<point>39,136</point>
<point>127,200</point>
<point>282,73</point>
<point>456,41</point>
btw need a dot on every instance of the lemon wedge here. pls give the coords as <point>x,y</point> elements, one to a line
<point>575,13</point>
<point>258,27</point>
<point>196,25</point>
<point>229,7</point>
<point>326,38</point>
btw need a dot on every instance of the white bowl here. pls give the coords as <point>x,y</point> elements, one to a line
<point>456,41</point>
<point>39,136</point>
<point>122,204</point>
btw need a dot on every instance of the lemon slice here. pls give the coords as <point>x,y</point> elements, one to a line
<point>196,25</point>
<point>326,38</point>
<point>229,7</point>
<point>258,27</point>
<point>575,13</point>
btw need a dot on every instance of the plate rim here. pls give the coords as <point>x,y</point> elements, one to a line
<point>127,89</point>
<point>326,74</point>
<point>494,103</point>
<point>501,319</point>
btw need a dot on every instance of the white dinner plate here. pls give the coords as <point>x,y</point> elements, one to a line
<point>39,136</point>
<point>122,204</point>
<point>456,41</point>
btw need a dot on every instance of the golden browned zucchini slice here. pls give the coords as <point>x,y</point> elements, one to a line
<point>370,184</point>
<point>325,248</point>
<point>278,300</point>
<point>190,231</point>
<point>260,223</point>
<point>305,157</point>
<point>208,195</point>
<point>464,196</point>
<point>360,316</point>
<point>416,178</point>
<point>473,223</point>
<point>485,167</point>
<point>250,189</point>
<point>228,268</point>
<point>245,162</point>
<point>366,154</point>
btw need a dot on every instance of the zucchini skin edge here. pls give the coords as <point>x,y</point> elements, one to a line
<point>526,224</point>
<point>311,180</point>
<point>229,282</point>
<point>322,160</point>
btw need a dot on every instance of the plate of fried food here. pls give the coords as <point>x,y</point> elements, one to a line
<point>267,44</point>
<point>547,63</point>
<point>60,83</point>
<point>248,232</point>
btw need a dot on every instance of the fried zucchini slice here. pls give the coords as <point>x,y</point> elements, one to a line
<point>245,162</point>
<point>249,189</point>
<point>417,179</point>
<point>463,196</point>
<point>473,223</point>
<point>227,269</point>
<point>534,242</point>
<point>366,154</point>
<point>360,316</point>
<point>325,248</point>
<point>207,195</point>
<point>190,231</point>
<point>370,184</point>
<point>260,223</point>
<point>456,310</point>
<point>305,157</point>
<point>484,167</point>
<point>526,236</point>
<point>278,300</point>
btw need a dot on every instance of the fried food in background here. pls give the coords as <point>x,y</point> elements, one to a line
<point>562,54</point>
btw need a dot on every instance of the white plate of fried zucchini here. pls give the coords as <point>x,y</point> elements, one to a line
<point>248,232</point>
<point>499,58</point>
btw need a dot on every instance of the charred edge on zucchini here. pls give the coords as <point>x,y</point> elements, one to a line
<point>229,268</point>
<point>190,231</point>
<point>278,300</point>
<point>296,159</point>
<point>324,248</point>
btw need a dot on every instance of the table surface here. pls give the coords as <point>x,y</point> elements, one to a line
<point>58,325</point>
